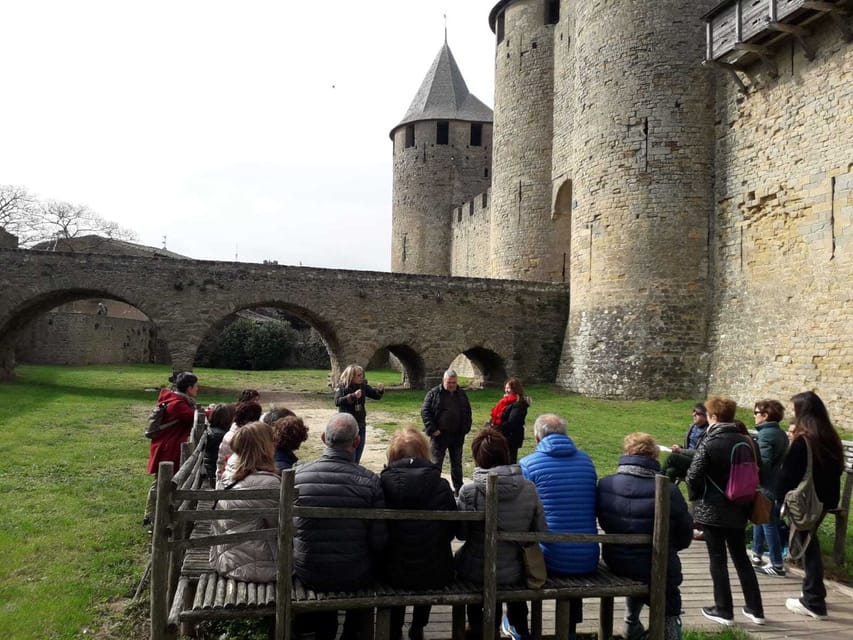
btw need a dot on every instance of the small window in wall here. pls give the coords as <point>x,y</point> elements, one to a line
<point>442,132</point>
<point>471,208</point>
<point>500,27</point>
<point>552,11</point>
<point>476,134</point>
<point>459,214</point>
<point>486,172</point>
<point>485,200</point>
<point>405,238</point>
<point>410,135</point>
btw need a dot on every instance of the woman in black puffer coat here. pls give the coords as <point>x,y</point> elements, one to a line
<point>418,554</point>
<point>509,414</point>
<point>724,522</point>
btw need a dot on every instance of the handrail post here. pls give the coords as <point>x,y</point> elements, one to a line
<point>284,571</point>
<point>660,556</point>
<point>490,557</point>
<point>159,606</point>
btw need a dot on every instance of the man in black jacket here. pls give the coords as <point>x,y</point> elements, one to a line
<point>446,414</point>
<point>337,555</point>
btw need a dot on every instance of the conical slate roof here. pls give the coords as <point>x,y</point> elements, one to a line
<point>444,95</point>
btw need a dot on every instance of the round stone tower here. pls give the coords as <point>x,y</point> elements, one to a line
<point>528,242</point>
<point>442,158</point>
<point>641,141</point>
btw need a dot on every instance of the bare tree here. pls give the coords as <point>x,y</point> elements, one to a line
<point>16,208</point>
<point>35,221</point>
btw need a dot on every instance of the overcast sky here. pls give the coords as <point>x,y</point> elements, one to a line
<point>256,128</point>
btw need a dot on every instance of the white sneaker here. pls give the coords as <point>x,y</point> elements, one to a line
<point>752,617</point>
<point>795,605</point>
<point>756,559</point>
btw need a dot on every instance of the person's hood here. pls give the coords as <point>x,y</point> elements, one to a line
<point>409,483</point>
<point>510,480</point>
<point>557,445</point>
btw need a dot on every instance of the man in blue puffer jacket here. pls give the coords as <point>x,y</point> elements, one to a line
<point>565,479</point>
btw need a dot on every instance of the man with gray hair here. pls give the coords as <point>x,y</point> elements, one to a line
<point>337,555</point>
<point>446,414</point>
<point>565,479</point>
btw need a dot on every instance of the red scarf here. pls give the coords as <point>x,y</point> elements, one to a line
<point>502,404</point>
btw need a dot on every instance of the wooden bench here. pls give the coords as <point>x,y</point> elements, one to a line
<point>184,588</point>
<point>842,511</point>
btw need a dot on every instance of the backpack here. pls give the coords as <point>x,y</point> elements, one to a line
<point>802,507</point>
<point>155,421</point>
<point>743,474</point>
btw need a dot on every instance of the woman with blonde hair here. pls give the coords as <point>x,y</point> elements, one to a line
<point>509,414</point>
<point>626,504</point>
<point>418,554</point>
<point>252,560</point>
<point>350,395</point>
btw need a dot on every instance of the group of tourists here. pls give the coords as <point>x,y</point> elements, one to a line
<point>555,488</point>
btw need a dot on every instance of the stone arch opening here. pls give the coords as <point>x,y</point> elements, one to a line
<point>562,200</point>
<point>269,336</point>
<point>404,359</point>
<point>80,327</point>
<point>484,367</point>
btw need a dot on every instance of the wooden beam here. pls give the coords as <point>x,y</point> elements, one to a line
<point>762,52</point>
<point>798,32</point>
<point>730,69</point>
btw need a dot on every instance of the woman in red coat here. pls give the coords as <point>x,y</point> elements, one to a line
<point>166,445</point>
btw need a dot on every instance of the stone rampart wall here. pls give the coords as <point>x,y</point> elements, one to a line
<point>470,249</point>
<point>783,245</point>
<point>82,339</point>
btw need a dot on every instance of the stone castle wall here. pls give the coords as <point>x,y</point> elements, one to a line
<point>641,165</point>
<point>525,241</point>
<point>83,339</point>
<point>471,223</point>
<point>783,242</point>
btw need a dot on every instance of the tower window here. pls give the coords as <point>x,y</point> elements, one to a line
<point>410,135</point>
<point>442,132</point>
<point>485,200</point>
<point>471,208</point>
<point>476,134</point>
<point>486,172</point>
<point>552,11</point>
<point>500,27</point>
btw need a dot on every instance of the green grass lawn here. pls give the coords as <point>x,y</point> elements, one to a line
<point>73,487</point>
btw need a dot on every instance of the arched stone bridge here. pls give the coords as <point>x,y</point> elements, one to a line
<point>504,327</point>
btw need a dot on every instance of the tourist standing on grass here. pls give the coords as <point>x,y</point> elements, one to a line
<point>446,414</point>
<point>418,554</point>
<point>252,560</point>
<point>166,444</point>
<point>772,444</point>
<point>813,432</point>
<point>509,414</point>
<point>723,521</point>
<point>519,510</point>
<point>626,504</point>
<point>350,397</point>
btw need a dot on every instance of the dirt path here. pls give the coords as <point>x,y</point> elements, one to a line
<point>315,410</point>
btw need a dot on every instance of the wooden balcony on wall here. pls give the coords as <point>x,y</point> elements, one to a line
<point>742,32</point>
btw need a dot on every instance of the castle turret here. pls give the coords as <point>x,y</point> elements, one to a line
<point>528,241</point>
<point>640,165</point>
<point>442,158</point>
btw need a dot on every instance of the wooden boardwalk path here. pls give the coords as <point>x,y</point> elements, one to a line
<point>696,592</point>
